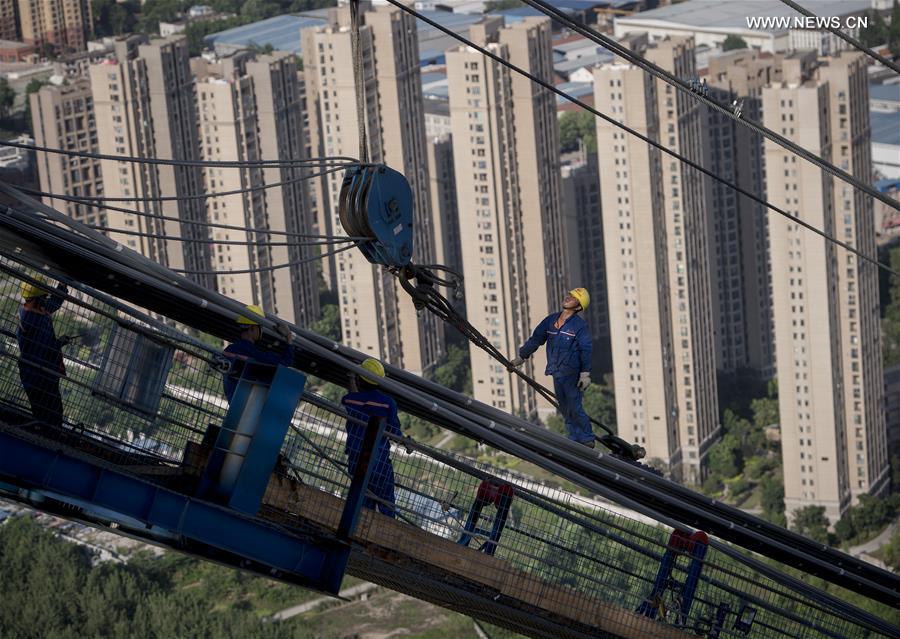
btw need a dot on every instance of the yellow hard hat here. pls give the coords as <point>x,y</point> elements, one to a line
<point>582,296</point>
<point>375,367</point>
<point>30,290</point>
<point>250,321</point>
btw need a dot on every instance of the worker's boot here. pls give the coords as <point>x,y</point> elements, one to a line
<point>589,444</point>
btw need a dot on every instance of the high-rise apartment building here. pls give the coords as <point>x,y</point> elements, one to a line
<point>145,106</point>
<point>585,263</point>
<point>739,257</point>
<point>506,158</point>
<point>9,24</point>
<point>376,314</point>
<point>444,209</point>
<point>828,345</point>
<point>62,24</point>
<point>250,109</point>
<point>656,233</point>
<point>63,118</point>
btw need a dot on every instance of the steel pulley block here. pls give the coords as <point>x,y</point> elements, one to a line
<point>376,203</point>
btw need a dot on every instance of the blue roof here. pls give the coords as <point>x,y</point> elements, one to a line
<point>883,186</point>
<point>886,128</point>
<point>890,92</point>
<point>282,32</point>
<point>575,89</point>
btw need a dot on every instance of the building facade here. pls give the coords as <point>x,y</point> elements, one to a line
<point>250,109</point>
<point>656,232</point>
<point>377,316</point>
<point>63,118</point>
<point>145,106</point>
<point>506,158</point>
<point>63,24</point>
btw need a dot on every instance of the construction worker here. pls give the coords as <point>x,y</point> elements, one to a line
<point>568,361</point>
<point>245,349</point>
<point>41,359</point>
<point>361,404</point>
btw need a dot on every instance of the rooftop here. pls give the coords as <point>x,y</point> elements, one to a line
<point>887,92</point>
<point>885,128</point>
<point>282,32</point>
<point>733,14</point>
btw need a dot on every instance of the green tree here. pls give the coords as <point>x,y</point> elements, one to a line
<point>811,522</point>
<point>891,322</point>
<point>7,98</point>
<point>725,457</point>
<point>600,403</point>
<point>772,499</point>
<point>894,30</point>
<point>329,325</point>
<point>455,372</point>
<point>876,33</point>
<point>891,553</point>
<point>114,18</point>
<point>732,42</point>
<point>500,5</point>
<point>575,127</point>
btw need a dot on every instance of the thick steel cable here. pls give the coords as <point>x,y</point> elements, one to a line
<point>266,269</point>
<point>664,75</point>
<point>234,164</point>
<point>359,81</point>
<point>191,295</point>
<point>856,44</point>
<point>240,191</point>
<point>644,138</point>
<point>169,218</point>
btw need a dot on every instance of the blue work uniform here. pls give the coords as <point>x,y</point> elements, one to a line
<point>247,351</point>
<point>41,359</point>
<point>568,355</point>
<point>361,406</point>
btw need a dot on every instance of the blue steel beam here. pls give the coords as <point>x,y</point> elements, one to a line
<point>209,528</point>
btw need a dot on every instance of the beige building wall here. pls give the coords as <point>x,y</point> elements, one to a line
<point>857,281</point>
<point>9,29</point>
<point>63,118</point>
<point>377,316</point>
<point>739,253</point>
<point>506,158</point>
<point>805,302</point>
<point>145,106</point>
<point>250,109</point>
<point>656,231</point>
<point>64,24</point>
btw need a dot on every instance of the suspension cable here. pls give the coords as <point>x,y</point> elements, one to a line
<point>678,83</point>
<point>265,269</point>
<point>359,81</point>
<point>178,238</point>
<point>169,218</point>
<point>213,194</point>
<point>644,138</point>
<point>846,38</point>
<point>234,164</point>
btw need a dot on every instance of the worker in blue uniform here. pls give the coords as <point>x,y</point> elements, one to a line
<point>41,359</point>
<point>568,361</point>
<point>361,404</point>
<point>246,350</point>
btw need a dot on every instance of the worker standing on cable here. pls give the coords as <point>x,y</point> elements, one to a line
<point>363,403</point>
<point>568,361</point>
<point>41,359</point>
<point>246,350</point>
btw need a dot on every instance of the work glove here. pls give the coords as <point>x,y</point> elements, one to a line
<point>517,362</point>
<point>584,380</point>
<point>65,340</point>
<point>284,331</point>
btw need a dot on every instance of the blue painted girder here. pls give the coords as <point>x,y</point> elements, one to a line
<point>206,529</point>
